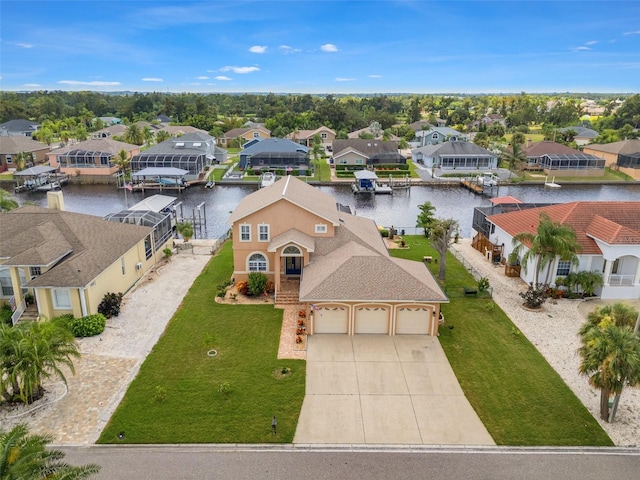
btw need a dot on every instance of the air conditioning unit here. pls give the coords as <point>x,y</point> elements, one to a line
<point>139,266</point>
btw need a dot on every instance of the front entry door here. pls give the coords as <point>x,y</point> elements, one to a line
<point>293,265</point>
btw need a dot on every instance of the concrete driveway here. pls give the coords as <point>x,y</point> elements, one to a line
<point>375,389</point>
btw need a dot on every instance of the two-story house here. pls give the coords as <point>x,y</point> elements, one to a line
<point>337,262</point>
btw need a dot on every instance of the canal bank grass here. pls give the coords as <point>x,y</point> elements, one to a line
<point>609,176</point>
<point>516,393</point>
<point>183,395</point>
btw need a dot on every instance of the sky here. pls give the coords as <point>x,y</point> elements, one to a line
<point>317,47</point>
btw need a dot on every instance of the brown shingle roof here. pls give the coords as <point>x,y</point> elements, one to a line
<point>623,147</point>
<point>365,146</point>
<point>107,145</point>
<point>36,236</point>
<point>619,222</point>
<point>548,147</point>
<point>17,144</point>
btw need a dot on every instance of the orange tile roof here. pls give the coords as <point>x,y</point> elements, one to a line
<point>507,199</point>
<point>610,222</point>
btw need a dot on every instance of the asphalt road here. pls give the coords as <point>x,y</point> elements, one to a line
<point>320,463</point>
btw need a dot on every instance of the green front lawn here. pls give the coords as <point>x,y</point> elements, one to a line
<point>517,394</point>
<point>176,399</point>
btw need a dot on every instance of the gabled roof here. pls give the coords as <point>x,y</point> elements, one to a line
<point>189,145</point>
<point>237,132</point>
<point>80,246</point>
<point>292,235</point>
<point>547,147</point>
<point>306,134</point>
<point>367,147</point>
<point>610,222</point>
<point>507,199</point>
<point>117,129</point>
<point>444,131</point>
<point>19,125</point>
<point>453,148</point>
<point>420,125</point>
<point>292,190</point>
<point>624,147</point>
<point>16,144</point>
<point>274,145</point>
<point>183,130</point>
<point>581,132</point>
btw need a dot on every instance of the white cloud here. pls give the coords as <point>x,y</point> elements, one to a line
<point>152,79</point>
<point>286,49</point>
<point>637,32</point>
<point>580,49</point>
<point>329,47</point>
<point>239,69</point>
<point>31,85</point>
<point>592,42</point>
<point>202,77</point>
<point>90,84</point>
<point>258,49</point>
<point>21,44</point>
<point>342,79</point>
<point>375,76</point>
<point>222,78</point>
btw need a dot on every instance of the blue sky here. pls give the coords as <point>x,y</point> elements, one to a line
<point>321,47</point>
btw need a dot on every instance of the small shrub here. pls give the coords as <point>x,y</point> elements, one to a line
<point>242,287</point>
<point>224,388</point>
<point>64,320</point>
<point>483,284</point>
<point>534,297</point>
<point>88,326</point>
<point>270,287</point>
<point>257,283</point>
<point>160,393</point>
<point>110,304</point>
<point>5,313</point>
<point>29,299</point>
<point>167,252</point>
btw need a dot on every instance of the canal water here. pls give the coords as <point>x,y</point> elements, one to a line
<point>399,209</point>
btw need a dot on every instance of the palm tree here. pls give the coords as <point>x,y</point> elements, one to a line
<point>551,240</point>
<point>147,134</point>
<point>186,230</point>
<point>24,456</point>
<point>6,201</point>
<point>122,161</point>
<point>441,236</point>
<point>162,136</point>
<point>133,135</point>
<point>426,217</point>
<point>513,157</point>
<point>611,358</point>
<point>20,161</point>
<point>32,352</point>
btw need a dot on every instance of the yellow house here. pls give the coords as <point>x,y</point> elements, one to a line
<point>335,264</point>
<point>623,156</point>
<point>68,261</point>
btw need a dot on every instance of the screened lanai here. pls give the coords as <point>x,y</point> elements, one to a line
<point>629,161</point>
<point>577,161</point>
<point>81,158</point>
<point>193,163</point>
<point>160,222</point>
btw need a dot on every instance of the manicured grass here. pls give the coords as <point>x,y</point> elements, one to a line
<point>517,394</point>
<point>193,409</point>
<point>609,175</point>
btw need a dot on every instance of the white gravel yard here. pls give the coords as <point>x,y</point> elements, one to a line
<point>554,331</point>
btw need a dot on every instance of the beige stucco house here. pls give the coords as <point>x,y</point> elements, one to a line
<point>12,146</point>
<point>91,157</point>
<point>623,156</point>
<point>305,137</point>
<point>69,261</point>
<point>337,263</point>
<point>244,134</point>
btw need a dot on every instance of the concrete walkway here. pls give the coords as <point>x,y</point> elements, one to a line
<point>376,389</point>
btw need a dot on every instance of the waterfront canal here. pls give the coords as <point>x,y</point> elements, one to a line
<point>399,209</point>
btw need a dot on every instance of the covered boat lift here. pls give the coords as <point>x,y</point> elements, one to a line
<point>167,178</point>
<point>40,178</point>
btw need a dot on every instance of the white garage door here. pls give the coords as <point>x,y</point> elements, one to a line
<point>372,319</point>
<point>331,320</point>
<point>413,321</point>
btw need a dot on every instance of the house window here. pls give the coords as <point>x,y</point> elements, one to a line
<point>358,161</point>
<point>256,134</point>
<point>5,282</point>
<point>292,250</point>
<point>257,263</point>
<point>8,158</point>
<point>35,272</point>
<point>323,136</point>
<point>245,233</point>
<point>263,233</point>
<point>564,267</point>
<point>61,298</point>
<point>321,228</point>
<point>435,136</point>
<point>615,268</point>
<point>342,161</point>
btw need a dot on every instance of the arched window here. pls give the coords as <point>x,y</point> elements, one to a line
<point>291,251</point>
<point>257,263</point>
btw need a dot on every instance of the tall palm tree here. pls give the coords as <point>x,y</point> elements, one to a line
<point>513,157</point>
<point>611,358</point>
<point>6,201</point>
<point>133,135</point>
<point>162,135</point>
<point>32,352</point>
<point>148,135</point>
<point>441,234</point>
<point>122,161</point>
<point>550,241</point>
<point>24,456</point>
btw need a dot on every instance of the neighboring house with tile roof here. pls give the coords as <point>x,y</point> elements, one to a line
<point>244,134</point>
<point>69,261</point>
<point>368,131</point>
<point>305,137</point>
<point>297,234</point>
<point>18,128</point>
<point>275,154</point>
<point>421,125</point>
<point>437,135</point>
<point>623,156</point>
<point>608,233</point>
<point>583,135</point>
<point>91,157</point>
<point>455,155</point>
<point>192,152</point>
<point>116,130</point>
<point>559,160</point>
<point>12,146</point>
<point>180,130</point>
<point>364,152</point>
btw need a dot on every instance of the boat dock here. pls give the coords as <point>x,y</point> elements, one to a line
<point>39,179</point>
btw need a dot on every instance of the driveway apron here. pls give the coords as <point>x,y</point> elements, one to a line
<point>375,389</point>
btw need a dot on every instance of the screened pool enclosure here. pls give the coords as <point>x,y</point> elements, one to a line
<point>578,161</point>
<point>193,163</point>
<point>160,222</point>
